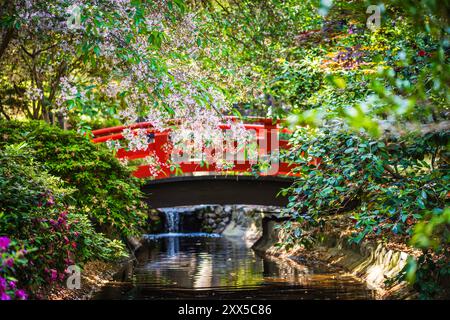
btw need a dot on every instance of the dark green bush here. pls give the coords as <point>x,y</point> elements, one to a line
<point>388,184</point>
<point>105,191</point>
<point>41,234</point>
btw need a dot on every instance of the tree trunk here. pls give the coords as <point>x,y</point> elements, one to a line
<point>6,39</point>
<point>61,120</point>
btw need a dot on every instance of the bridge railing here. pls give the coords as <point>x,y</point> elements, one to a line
<point>159,146</point>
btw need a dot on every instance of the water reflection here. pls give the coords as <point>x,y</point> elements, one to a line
<point>214,267</point>
<point>172,239</point>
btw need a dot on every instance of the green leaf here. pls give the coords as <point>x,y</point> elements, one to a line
<point>349,150</point>
<point>420,203</point>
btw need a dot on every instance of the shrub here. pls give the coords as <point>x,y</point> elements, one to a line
<point>104,189</point>
<point>40,233</point>
<point>11,258</point>
<point>388,184</point>
<point>430,273</point>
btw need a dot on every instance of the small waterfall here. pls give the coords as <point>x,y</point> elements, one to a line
<point>174,231</point>
<point>172,220</point>
<point>172,227</point>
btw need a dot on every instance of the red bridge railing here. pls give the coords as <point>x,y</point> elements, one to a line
<point>267,132</point>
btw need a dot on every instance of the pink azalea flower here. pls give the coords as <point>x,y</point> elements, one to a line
<point>4,243</point>
<point>2,284</point>
<point>4,296</point>
<point>21,295</point>
<point>53,274</point>
<point>9,262</point>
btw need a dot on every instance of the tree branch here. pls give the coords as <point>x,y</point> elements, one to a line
<point>6,39</point>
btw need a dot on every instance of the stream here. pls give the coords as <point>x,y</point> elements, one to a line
<point>177,265</point>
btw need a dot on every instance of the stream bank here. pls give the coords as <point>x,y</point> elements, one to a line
<point>372,261</point>
<point>94,275</point>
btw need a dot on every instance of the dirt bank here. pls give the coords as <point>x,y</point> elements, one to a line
<point>94,275</point>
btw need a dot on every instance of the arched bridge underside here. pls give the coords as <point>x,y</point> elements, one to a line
<point>197,190</point>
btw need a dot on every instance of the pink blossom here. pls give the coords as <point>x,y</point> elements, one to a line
<point>21,295</point>
<point>53,274</point>
<point>9,262</point>
<point>4,296</point>
<point>4,243</point>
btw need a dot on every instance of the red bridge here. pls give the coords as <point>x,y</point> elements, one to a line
<point>226,186</point>
<point>267,133</point>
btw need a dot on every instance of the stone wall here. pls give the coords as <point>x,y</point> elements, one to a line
<point>246,222</point>
<point>235,220</point>
<point>214,218</point>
